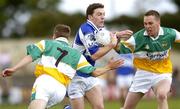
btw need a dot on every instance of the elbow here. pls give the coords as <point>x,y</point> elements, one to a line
<point>94,74</point>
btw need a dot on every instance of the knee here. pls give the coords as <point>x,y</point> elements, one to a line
<point>161,96</point>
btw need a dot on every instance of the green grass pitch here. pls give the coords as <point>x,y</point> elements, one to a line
<point>144,104</point>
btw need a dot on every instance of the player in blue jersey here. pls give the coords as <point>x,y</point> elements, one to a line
<point>84,85</point>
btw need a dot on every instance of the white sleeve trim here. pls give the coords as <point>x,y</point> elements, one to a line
<point>177,35</point>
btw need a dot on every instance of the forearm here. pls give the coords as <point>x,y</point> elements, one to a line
<point>101,71</point>
<point>112,64</point>
<point>26,60</point>
<point>101,52</point>
<point>124,34</point>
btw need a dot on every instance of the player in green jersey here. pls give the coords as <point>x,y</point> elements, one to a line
<point>151,48</point>
<point>57,66</point>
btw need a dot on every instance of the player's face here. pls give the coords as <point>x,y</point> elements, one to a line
<point>98,17</point>
<point>151,24</point>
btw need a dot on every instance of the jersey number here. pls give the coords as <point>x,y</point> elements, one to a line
<point>64,53</point>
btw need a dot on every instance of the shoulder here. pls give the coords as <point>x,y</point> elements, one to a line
<point>170,33</point>
<point>53,43</point>
<point>140,32</point>
<point>86,28</point>
<point>168,30</point>
<point>74,53</point>
<point>48,41</point>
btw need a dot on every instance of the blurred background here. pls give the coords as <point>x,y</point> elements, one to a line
<point>23,22</point>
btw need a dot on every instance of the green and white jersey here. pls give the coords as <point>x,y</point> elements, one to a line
<point>58,60</point>
<point>152,54</point>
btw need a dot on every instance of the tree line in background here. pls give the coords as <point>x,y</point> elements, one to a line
<point>36,18</point>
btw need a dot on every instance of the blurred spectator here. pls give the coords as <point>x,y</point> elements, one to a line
<point>15,95</point>
<point>175,74</point>
<point>5,62</point>
<point>111,92</point>
<point>175,89</point>
<point>103,83</point>
<point>8,93</point>
<point>4,89</point>
<point>107,81</point>
<point>5,59</point>
<point>124,76</point>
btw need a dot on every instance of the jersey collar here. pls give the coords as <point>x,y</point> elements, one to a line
<point>62,39</point>
<point>93,25</point>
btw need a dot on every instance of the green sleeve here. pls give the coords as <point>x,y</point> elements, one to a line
<point>33,51</point>
<point>124,50</point>
<point>87,69</point>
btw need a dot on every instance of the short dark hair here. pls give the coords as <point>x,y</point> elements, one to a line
<point>90,9</point>
<point>62,30</point>
<point>153,13</point>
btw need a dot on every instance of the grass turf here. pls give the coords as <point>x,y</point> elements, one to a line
<point>143,104</point>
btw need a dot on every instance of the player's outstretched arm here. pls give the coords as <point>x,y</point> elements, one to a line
<point>112,64</point>
<point>124,34</point>
<point>9,71</point>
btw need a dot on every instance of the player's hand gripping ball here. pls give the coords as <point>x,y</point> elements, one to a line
<point>103,37</point>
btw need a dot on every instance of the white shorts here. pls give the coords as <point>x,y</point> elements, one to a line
<point>48,89</point>
<point>145,80</point>
<point>124,80</point>
<point>79,85</point>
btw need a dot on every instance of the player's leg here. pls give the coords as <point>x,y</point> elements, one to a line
<point>66,102</point>
<point>57,94</point>
<point>67,107</point>
<point>140,85</point>
<point>76,92</point>
<point>161,90</point>
<point>77,103</point>
<point>132,100</point>
<point>38,99</point>
<point>123,94</point>
<point>95,97</point>
<point>37,104</point>
<point>46,92</point>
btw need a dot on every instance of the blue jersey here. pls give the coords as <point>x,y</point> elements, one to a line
<point>127,68</point>
<point>85,42</point>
